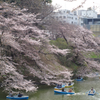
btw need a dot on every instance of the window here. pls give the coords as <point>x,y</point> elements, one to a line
<point>60,12</point>
<point>69,17</point>
<point>74,13</point>
<point>81,19</point>
<point>56,17</point>
<point>64,16</point>
<point>68,11</point>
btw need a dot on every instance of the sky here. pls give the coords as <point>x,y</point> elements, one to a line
<point>71,5</point>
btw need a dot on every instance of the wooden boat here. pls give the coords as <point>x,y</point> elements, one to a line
<point>16,97</point>
<point>92,94</point>
<point>68,86</point>
<point>81,79</point>
<point>63,92</point>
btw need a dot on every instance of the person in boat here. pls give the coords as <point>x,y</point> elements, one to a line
<point>10,94</point>
<point>20,95</point>
<point>92,90</point>
<point>79,77</point>
<point>59,86</point>
<point>63,90</point>
<point>69,83</point>
<point>70,90</point>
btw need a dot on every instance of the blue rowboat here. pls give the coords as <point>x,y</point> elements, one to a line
<point>81,79</point>
<point>63,92</point>
<point>92,94</point>
<point>16,97</point>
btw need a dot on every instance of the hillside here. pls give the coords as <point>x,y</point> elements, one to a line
<point>27,58</point>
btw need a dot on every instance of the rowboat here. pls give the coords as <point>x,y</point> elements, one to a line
<point>81,79</point>
<point>68,86</point>
<point>59,88</point>
<point>16,97</point>
<point>92,94</point>
<point>63,92</point>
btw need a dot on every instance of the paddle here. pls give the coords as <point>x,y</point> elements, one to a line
<point>86,92</point>
<point>97,93</point>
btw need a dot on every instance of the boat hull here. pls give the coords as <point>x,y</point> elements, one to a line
<point>18,98</point>
<point>79,79</point>
<point>91,94</point>
<point>61,92</point>
<point>68,86</point>
<point>57,88</point>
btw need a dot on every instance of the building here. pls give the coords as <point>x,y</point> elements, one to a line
<point>87,13</point>
<point>91,20</point>
<point>76,17</point>
<point>86,18</point>
<point>80,17</point>
<point>66,16</point>
<point>92,24</point>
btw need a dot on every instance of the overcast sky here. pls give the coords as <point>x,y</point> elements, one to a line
<point>74,4</point>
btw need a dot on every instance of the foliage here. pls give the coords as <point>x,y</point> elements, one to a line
<point>47,1</point>
<point>70,60</point>
<point>35,6</point>
<point>89,8</point>
<point>20,1</point>
<point>63,60</point>
<point>74,66</point>
<point>69,64</point>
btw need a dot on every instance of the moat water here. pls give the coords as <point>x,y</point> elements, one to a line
<point>80,89</point>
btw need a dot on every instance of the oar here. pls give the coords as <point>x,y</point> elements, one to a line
<point>86,92</point>
<point>97,93</point>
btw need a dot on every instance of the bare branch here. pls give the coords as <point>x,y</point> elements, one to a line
<point>79,5</point>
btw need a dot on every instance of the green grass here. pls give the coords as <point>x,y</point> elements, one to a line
<point>73,66</point>
<point>94,35</point>
<point>92,55</point>
<point>60,43</point>
<point>33,38</point>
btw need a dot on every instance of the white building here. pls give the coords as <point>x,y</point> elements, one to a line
<point>66,16</point>
<point>87,13</point>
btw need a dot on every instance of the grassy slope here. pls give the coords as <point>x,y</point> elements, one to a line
<point>61,44</point>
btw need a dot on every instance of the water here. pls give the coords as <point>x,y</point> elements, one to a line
<point>2,95</point>
<point>80,88</point>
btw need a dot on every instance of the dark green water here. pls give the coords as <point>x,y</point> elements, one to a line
<point>80,88</point>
